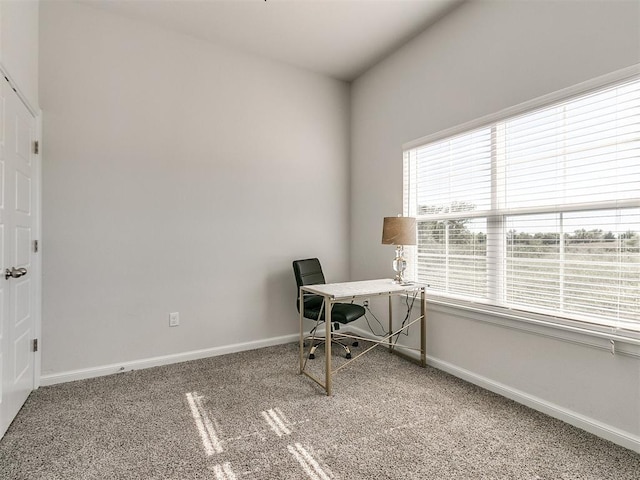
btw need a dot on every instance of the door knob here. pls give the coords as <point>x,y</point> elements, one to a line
<point>14,272</point>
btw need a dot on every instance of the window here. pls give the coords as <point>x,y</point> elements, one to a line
<point>538,211</point>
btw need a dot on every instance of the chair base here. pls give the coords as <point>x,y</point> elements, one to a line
<point>321,341</point>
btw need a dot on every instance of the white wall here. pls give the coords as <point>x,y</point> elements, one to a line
<point>483,57</point>
<point>179,176</point>
<point>19,45</point>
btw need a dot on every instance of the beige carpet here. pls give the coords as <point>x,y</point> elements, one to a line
<point>251,416</point>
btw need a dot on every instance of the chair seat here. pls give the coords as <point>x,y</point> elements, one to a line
<point>340,312</point>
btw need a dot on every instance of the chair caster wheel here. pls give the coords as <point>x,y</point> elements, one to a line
<point>312,356</point>
<point>355,344</point>
<point>348,356</point>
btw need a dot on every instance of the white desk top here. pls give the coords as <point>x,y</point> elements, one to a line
<point>341,291</point>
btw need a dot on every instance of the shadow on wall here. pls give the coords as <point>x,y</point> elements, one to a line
<point>280,316</point>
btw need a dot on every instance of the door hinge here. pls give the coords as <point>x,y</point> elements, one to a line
<point>35,344</point>
<point>36,246</point>
<point>36,147</point>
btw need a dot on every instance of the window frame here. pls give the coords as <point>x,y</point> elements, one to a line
<point>599,327</point>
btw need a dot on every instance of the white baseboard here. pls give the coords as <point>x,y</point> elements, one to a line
<point>84,373</point>
<point>602,430</point>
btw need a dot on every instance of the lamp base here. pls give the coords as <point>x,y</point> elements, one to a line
<point>399,265</point>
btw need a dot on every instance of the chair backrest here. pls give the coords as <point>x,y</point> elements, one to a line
<point>308,272</point>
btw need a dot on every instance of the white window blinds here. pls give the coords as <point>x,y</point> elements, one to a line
<point>539,212</point>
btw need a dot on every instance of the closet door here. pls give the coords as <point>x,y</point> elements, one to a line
<point>17,276</point>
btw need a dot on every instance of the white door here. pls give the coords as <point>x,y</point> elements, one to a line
<point>17,226</point>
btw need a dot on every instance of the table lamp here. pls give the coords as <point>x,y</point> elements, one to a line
<point>399,231</point>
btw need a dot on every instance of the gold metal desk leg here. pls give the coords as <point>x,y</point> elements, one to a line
<point>390,324</point>
<point>423,328</point>
<point>301,347</point>
<point>327,340</point>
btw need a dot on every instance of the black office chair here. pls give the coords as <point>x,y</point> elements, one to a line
<point>309,272</point>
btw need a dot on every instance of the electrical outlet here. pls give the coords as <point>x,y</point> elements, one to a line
<point>174,319</point>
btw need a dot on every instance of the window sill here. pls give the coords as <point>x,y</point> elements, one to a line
<point>614,340</point>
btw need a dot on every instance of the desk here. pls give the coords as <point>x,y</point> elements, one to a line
<point>350,291</point>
